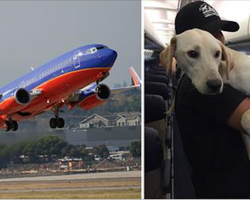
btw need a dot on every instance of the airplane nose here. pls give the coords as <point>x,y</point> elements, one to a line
<point>109,57</point>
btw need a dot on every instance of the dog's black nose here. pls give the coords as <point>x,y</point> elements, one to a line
<point>214,85</point>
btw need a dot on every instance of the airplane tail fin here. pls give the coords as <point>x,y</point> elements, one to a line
<point>135,78</point>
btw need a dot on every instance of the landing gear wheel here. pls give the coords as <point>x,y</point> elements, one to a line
<point>60,122</point>
<point>57,121</point>
<point>6,125</point>
<point>53,123</point>
<point>14,125</point>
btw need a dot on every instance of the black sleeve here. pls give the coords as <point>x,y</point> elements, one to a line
<point>220,107</point>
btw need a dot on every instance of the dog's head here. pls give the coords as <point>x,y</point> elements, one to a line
<point>199,55</point>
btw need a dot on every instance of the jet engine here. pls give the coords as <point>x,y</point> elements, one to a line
<point>100,95</point>
<point>14,101</point>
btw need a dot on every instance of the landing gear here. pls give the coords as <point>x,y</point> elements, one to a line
<point>14,126</point>
<point>6,125</point>
<point>57,122</point>
<point>60,122</point>
<point>10,125</point>
<point>52,123</point>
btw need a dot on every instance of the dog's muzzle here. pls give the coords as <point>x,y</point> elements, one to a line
<point>214,85</point>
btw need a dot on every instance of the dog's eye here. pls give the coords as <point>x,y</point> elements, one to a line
<point>217,54</point>
<point>193,54</point>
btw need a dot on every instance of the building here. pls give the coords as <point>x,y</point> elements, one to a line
<point>128,119</point>
<point>118,119</point>
<point>94,121</point>
<point>115,138</point>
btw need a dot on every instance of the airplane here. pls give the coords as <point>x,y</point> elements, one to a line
<point>57,83</point>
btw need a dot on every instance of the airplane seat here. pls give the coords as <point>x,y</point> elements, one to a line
<point>160,73</point>
<point>156,78</point>
<point>155,117</point>
<point>153,164</point>
<point>159,79</point>
<point>157,170</point>
<point>157,88</point>
<point>155,108</point>
<point>158,68</point>
<point>150,63</point>
<point>162,90</point>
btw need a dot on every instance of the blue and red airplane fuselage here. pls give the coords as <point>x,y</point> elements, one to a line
<point>52,85</point>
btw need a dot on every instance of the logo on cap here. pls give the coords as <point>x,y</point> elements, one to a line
<point>207,10</point>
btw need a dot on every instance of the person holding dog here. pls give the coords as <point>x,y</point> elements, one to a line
<point>210,125</point>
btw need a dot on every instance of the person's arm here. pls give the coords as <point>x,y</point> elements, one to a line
<point>235,120</point>
<point>231,107</point>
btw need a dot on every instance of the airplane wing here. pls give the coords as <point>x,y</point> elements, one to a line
<point>89,97</point>
<point>94,95</point>
<point>136,82</point>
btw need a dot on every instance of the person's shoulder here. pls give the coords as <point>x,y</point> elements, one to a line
<point>185,90</point>
<point>185,84</point>
<point>187,93</point>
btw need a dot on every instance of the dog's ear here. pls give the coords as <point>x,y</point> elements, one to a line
<point>226,56</point>
<point>166,56</point>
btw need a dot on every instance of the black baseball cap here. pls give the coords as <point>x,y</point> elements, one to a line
<point>201,15</point>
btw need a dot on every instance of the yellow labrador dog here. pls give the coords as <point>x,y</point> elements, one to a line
<point>209,64</point>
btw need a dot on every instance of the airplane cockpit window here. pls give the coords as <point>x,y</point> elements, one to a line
<point>95,49</point>
<point>101,47</point>
<point>91,51</point>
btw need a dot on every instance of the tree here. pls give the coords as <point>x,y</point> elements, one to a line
<point>15,151</point>
<point>30,150</point>
<point>3,161</point>
<point>83,152</point>
<point>124,84</point>
<point>74,152</point>
<point>50,145</point>
<point>65,151</point>
<point>46,146</point>
<point>135,149</point>
<point>101,150</point>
